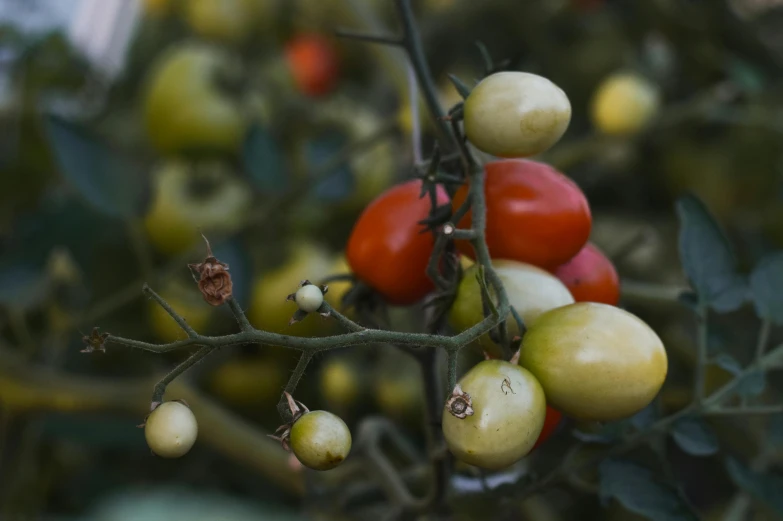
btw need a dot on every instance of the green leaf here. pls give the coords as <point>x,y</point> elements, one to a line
<point>695,437</point>
<point>766,286</point>
<point>765,487</point>
<point>341,183</point>
<point>606,434</point>
<point>263,161</point>
<point>112,182</point>
<point>463,89</point>
<point>489,66</point>
<point>773,359</point>
<point>638,491</point>
<point>707,257</point>
<point>646,417</point>
<point>752,384</point>
<point>728,363</point>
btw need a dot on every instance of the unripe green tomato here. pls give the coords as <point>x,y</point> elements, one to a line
<point>509,410</point>
<point>184,109</point>
<point>178,215</point>
<point>516,114</point>
<point>320,440</point>
<point>624,104</point>
<point>531,291</point>
<point>229,21</point>
<point>171,430</point>
<point>596,362</point>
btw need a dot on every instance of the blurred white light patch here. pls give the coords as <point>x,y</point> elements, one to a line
<point>102,30</point>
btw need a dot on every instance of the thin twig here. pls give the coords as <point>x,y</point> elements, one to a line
<point>395,41</point>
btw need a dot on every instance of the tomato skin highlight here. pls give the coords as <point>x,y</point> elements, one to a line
<point>551,423</point>
<point>535,214</point>
<point>386,249</point>
<point>313,63</point>
<point>591,277</point>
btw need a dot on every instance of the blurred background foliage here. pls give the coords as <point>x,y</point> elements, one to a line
<point>250,122</point>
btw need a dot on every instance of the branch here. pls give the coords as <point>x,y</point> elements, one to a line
<point>369,38</point>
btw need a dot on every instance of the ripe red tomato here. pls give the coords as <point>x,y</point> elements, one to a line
<point>590,276</point>
<point>551,423</point>
<point>535,214</point>
<point>314,64</point>
<point>386,248</point>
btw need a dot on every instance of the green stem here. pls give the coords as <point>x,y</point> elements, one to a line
<point>290,387</point>
<point>160,387</point>
<point>415,49</point>
<point>763,340</point>
<point>239,314</point>
<point>173,314</point>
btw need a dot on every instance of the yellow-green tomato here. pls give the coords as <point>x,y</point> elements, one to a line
<point>229,21</point>
<point>184,110</point>
<point>624,104</point>
<point>171,430</point>
<point>595,362</point>
<point>516,114</point>
<point>185,205</point>
<point>509,409</point>
<point>320,440</point>
<point>531,291</point>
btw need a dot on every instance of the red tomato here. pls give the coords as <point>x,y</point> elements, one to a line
<point>535,214</point>
<point>590,276</point>
<point>314,64</point>
<point>551,423</point>
<point>386,248</point>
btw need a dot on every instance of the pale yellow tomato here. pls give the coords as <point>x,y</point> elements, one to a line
<point>531,291</point>
<point>624,104</point>
<point>171,430</point>
<point>516,114</point>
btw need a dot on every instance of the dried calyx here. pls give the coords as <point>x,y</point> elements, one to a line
<point>213,278</point>
<point>283,433</point>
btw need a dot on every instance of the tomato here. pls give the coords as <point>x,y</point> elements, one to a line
<point>516,114</point>
<point>596,362</point>
<point>228,21</point>
<point>249,382</point>
<point>531,291</point>
<point>551,423</point>
<point>269,309</point>
<point>591,277</point>
<point>171,430</point>
<point>386,248</point>
<point>624,104</point>
<point>188,303</point>
<point>183,108</point>
<point>320,440</point>
<point>340,382</point>
<point>509,409</point>
<point>314,63</point>
<point>185,205</point>
<point>535,214</point>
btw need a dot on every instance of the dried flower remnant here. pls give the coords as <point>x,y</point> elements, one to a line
<point>213,280</point>
<point>459,404</point>
<point>95,341</point>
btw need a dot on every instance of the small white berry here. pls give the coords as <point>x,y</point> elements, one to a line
<point>171,430</point>
<point>309,298</point>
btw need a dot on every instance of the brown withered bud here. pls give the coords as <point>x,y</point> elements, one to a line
<point>95,341</point>
<point>213,278</point>
<point>459,404</point>
<point>283,433</point>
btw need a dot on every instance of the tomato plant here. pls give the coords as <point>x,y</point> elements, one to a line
<point>595,361</point>
<point>386,248</point>
<point>516,114</point>
<point>535,214</point>
<point>590,276</point>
